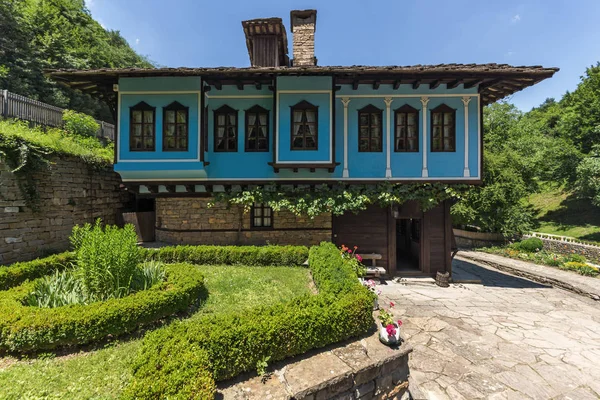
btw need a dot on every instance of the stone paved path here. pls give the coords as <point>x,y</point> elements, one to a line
<point>506,338</point>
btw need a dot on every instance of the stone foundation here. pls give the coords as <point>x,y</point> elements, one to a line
<point>590,252</point>
<point>71,192</point>
<point>191,221</point>
<point>362,369</point>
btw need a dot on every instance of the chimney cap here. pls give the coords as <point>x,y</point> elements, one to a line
<point>303,14</point>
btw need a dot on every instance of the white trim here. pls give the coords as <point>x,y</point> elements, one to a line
<point>408,95</point>
<point>235,96</point>
<point>388,166</point>
<point>345,102</point>
<point>331,133</point>
<point>159,92</point>
<point>466,100</point>
<point>459,178</point>
<point>424,171</point>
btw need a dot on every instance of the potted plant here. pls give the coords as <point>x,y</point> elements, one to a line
<point>372,286</point>
<point>389,331</point>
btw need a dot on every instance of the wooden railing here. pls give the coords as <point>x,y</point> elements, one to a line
<point>14,105</point>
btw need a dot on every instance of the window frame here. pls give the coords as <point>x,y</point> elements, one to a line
<point>225,110</point>
<point>443,109</point>
<point>142,106</point>
<point>304,106</point>
<point>256,109</point>
<point>371,109</point>
<point>253,216</point>
<point>406,109</point>
<point>176,107</point>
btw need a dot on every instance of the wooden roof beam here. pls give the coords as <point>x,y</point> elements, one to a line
<point>454,84</point>
<point>396,84</point>
<point>434,84</point>
<point>473,83</point>
<point>376,84</point>
<point>416,84</point>
<point>240,86</point>
<point>355,85</point>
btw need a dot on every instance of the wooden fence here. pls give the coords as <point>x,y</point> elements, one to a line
<point>14,105</point>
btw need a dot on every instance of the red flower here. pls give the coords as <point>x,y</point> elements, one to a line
<point>391,330</point>
<point>359,258</point>
<point>355,247</point>
<point>392,304</point>
<point>399,322</point>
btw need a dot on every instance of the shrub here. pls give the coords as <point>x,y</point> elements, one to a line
<point>231,255</point>
<point>530,245</point>
<point>581,268</point>
<point>107,259</point>
<point>25,328</point>
<point>170,359</point>
<point>79,123</point>
<point>19,272</point>
<point>576,258</point>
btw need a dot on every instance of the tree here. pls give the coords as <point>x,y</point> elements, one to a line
<point>588,176</point>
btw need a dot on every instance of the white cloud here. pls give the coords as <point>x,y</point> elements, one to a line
<point>516,18</point>
<point>137,41</point>
<point>509,53</point>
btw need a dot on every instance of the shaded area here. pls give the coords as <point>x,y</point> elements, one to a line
<point>488,277</point>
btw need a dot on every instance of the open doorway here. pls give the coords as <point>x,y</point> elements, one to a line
<point>408,244</point>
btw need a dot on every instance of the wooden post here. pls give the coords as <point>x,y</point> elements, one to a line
<point>4,109</point>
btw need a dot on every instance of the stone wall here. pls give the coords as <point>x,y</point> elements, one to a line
<point>71,192</point>
<point>471,240</point>
<point>191,221</point>
<point>591,253</point>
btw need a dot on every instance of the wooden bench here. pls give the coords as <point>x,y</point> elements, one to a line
<point>373,271</point>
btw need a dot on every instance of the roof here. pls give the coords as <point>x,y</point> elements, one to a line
<point>495,81</point>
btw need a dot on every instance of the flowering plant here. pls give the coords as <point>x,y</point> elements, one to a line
<point>372,286</point>
<point>354,260</point>
<point>386,317</point>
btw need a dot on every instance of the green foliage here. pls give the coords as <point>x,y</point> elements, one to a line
<point>588,176</point>
<point>227,345</point>
<point>530,245</point>
<point>57,290</point>
<point>580,268</point>
<point>231,255</point>
<point>25,328</point>
<point>79,124</point>
<point>340,198</point>
<point>37,35</point>
<point>107,260</point>
<point>19,272</point>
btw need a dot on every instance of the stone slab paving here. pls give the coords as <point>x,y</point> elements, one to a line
<point>506,338</point>
<point>584,285</point>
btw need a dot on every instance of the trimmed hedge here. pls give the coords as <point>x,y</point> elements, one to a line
<point>19,272</point>
<point>231,255</point>
<point>171,359</point>
<point>25,328</point>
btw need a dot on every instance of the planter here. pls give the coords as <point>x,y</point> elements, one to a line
<point>387,339</point>
<point>375,304</point>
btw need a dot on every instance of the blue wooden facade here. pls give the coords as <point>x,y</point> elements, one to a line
<point>337,156</point>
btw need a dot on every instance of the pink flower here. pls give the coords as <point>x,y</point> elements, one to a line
<point>359,258</point>
<point>391,330</point>
<point>392,304</point>
<point>349,251</point>
<point>399,322</point>
<point>378,292</point>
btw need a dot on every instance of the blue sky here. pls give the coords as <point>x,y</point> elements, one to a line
<point>552,33</point>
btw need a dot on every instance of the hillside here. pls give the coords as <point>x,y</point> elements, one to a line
<point>44,34</point>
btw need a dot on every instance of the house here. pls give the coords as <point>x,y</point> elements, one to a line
<point>185,133</point>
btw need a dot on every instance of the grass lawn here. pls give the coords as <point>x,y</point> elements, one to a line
<point>102,374</point>
<point>559,212</point>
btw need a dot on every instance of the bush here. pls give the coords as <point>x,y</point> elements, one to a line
<point>19,272</point>
<point>25,328</point>
<point>530,245</point>
<point>581,268</point>
<point>576,258</point>
<point>170,359</point>
<point>79,123</point>
<point>231,255</point>
<point>107,259</point>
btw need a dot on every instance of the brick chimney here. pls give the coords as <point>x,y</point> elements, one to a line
<point>303,26</point>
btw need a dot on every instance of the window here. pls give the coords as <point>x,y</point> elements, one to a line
<point>141,127</point>
<point>304,126</point>
<point>257,129</point>
<point>261,216</point>
<point>226,128</point>
<point>406,134</point>
<point>175,127</point>
<point>443,128</point>
<point>370,129</point>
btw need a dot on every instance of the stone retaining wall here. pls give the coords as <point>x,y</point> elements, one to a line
<point>191,221</point>
<point>71,192</point>
<point>363,369</point>
<point>591,253</point>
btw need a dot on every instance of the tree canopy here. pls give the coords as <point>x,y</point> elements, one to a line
<point>46,34</point>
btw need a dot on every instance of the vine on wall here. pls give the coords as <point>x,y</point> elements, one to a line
<point>340,197</point>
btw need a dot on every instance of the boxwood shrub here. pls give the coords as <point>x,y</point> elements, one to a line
<point>231,255</point>
<point>25,328</point>
<point>19,272</point>
<point>173,361</point>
